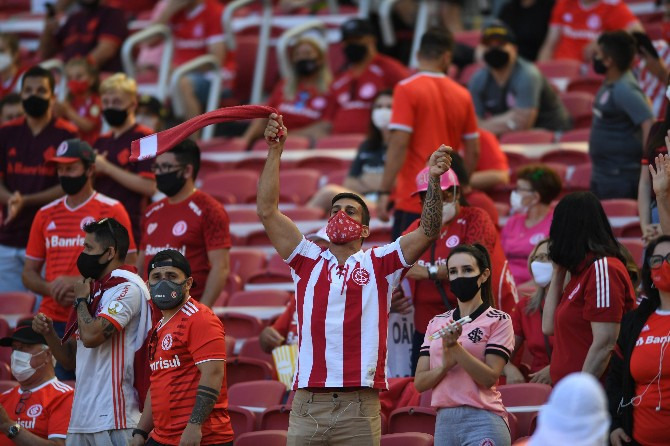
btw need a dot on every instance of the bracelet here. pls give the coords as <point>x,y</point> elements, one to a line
<point>144,434</point>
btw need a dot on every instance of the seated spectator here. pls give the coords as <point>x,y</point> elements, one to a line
<point>527,321</point>
<point>10,67</point>
<point>365,173</point>
<point>529,21</point>
<point>536,187</point>
<point>95,31</point>
<point>492,168</point>
<point>622,119</point>
<point>367,73</point>
<point>36,411</point>
<point>576,24</point>
<point>284,331</point>
<point>651,70</point>
<point>511,93</point>
<point>10,108</point>
<point>82,106</point>
<point>464,364</point>
<point>301,99</point>
<point>636,367</point>
<point>150,113</point>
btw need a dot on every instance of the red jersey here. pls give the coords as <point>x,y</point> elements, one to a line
<point>192,336</point>
<point>351,96</point>
<point>599,291</point>
<point>45,413</point>
<point>23,169</point>
<point>193,31</point>
<point>529,327</point>
<point>581,25</point>
<point>57,238</point>
<point>650,426</point>
<point>193,227</point>
<point>471,225</point>
<point>479,199</point>
<point>306,108</point>
<point>90,108</point>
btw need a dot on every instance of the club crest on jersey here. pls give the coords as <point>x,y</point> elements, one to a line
<point>453,241</point>
<point>34,411</point>
<point>151,228</point>
<point>62,148</point>
<point>179,228</point>
<point>167,342</point>
<point>360,276</point>
<point>114,308</point>
<point>85,221</point>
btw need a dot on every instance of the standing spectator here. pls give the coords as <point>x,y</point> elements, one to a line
<point>651,70</point>
<point>10,68</point>
<point>57,233</point>
<point>462,369</point>
<point>110,323</point>
<point>150,113</point>
<point>510,93</point>
<point>10,108</point>
<point>188,399</point>
<point>130,183</point>
<point>584,315</point>
<point>95,31</point>
<point>367,73</point>
<point>529,21</point>
<point>622,119</point>
<point>536,187</point>
<point>428,109</point>
<point>83,105</point>
<point>342,342</point>
<point>37,411</point>
<point>637,381</point>
<point>576,24</point>
<point>189,221</point>
<point>26,182</point>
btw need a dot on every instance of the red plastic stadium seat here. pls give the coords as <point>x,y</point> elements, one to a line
<point>526,394</point>
<point>412,419</point>
<point>242,369</point>
<point>586,84</point>
<point>275,417</point>
<point>620,207</point>
<point>579,105</point>
<point>298,185</point>
<point>230,346</point>
<point>566,156</point>
<point>256,393</point>
<point>259,298</point>
<point>240,325</point>
<point>344,141</point>
<point>265,438</point>
<point>534,136</point>
<point>243,420</point>
<point>4,328</point>
<point>258,238</point>
<point>562,68</point>
<point>407,438</point>
<point>253,164</point>
<point>579,179</point>
<point>251,348</point>
<point>636,248</point>
<point>14,302</point>
<point>239,184</point>
<point>303,213</point>
<point>242,215</point>
<point>337,177</point>
<point>277,271</point>
<point>324,164</point>
<point>577,135</point>
<point>245,261</point>
<point>222,145</point>
<point>516,160</point>
<point>7,384</point>
<point>5,371</point>
<point>630,230</point>
<point>560,169</point>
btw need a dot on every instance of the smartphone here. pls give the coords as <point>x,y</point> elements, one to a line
<point>644,42</point>
<point>51,9</point>
<point>443,331</point>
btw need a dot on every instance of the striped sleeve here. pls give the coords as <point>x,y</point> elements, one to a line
<point>606,290</point>
<point>501,341</point>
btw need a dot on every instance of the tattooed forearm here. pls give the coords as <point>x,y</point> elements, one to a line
<point>205,399</point>
<point>431,216</point>
<point>108,329</point>
<point>85,317</point>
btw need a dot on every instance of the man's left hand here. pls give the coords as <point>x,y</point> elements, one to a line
<point>14,206</point>
<point>440,160</point>
<point>191,436</point>
<point>82,288</point>
<point>5,421</point>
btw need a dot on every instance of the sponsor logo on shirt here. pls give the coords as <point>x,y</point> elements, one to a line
<point>179,228</point>
<point>64,242</point>
<point>163,364</point>
<point>151,228</point>
<point>646,327</point>
<point>476,335</point>
<point>167,342</point>
<point>85,221</point>
<point>652,340</point>
<point>153,250</point>
<point>51,226</point>
<point>158,207</point>
<point>194,207</point>
<point>27,424</point>
<point>360,276</point>
<point>368,90</point>
<point>114,308</point>
<point>594,21</point>
<point>574,291</point>
<point>453,241</point>
<point>34,411</point>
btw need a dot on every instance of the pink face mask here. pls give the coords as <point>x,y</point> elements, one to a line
<point>343,229</point>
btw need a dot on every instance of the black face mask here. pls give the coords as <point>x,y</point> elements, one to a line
<point>90,4</point>
<point>35,106</point>
<point>306,67</point>
<point>115,117</point>
<point>72,185</point>
<point>465,288</point>
<point>496,58</point>
<point>598,66</point>
<point>170,183</point>
<point>355,52</point>
<point>166,294</point>
<point>89,265</point>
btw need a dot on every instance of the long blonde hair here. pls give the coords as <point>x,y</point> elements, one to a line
<point>325,76</point>
<point>535,301</point>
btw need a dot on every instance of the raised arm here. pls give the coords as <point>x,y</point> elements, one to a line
<point>283,233</point>
<point>660,178</point>
<point>395,157</point>
<point>551,301</point>
<point>66,353</point>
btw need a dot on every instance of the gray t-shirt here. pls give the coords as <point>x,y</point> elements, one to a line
<point>525,88</point>
<point>616,136</point>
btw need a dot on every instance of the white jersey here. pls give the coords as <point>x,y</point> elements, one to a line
<point>104,397</point>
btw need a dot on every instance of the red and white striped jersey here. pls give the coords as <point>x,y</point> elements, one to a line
<point>652,87</point>
<point>343,314</point>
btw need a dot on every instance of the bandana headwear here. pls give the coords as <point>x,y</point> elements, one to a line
<point>153,145</point>
<point>343,229</point>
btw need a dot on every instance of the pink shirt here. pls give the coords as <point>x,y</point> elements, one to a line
<point>518,242</point>
<point>490,332</point>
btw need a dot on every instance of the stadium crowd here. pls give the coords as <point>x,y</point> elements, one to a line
<point>449,225</point>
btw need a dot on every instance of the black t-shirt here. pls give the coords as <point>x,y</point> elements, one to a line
<point>368,159</point>
<point>529,24</point>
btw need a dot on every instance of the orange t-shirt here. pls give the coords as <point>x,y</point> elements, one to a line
<point>45,412</point>
<point>581,24</point>
<point>57,238</point>
<point>435,110</point>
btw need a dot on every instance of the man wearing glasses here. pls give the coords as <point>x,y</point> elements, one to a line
<point>189,221</point>
<point>37,411</point>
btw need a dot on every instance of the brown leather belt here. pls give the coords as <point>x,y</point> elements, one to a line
<point>335,389</point>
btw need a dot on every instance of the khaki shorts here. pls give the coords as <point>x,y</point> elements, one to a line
<point>119,437</point>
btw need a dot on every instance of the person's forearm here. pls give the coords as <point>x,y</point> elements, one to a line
<point>395,158</point>
<point>479,371</point>
<point>431,214</point>
<point>47,45</point>
<point>597,358</point>
<point>82,123</point>
<point>499,124</point>
<point>216,281</point>
<point>5,194</point>
<point>93,331</point>
<point>27,438</point>
<point>546,52</point>
<point>430,378</point>
<point>551,300</point>
<point>146,422</point>
<point>43,197</point>
<point>663,202</point>
<point>134,182</point>
<point>268,185</point>
<point>103,52</point>
<point>36,283</point>
<point>488,178</point>
<point>644,198</point>
<point>65,354</point>
<point>206,397</point>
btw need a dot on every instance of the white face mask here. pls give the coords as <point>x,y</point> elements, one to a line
<point>667,92</point>
<point>21,368</point>
<point>516,203</point>
<point>542,272</point>
<point>5,61</point>
<point>381,117</point>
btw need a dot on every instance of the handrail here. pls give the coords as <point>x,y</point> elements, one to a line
<point>149,33</point>
<point>285,39</point>
<point>386,22</point>
<point>422,18</point>
<point>57,65</point>
<point>262,53</point>
<point>227,21</point>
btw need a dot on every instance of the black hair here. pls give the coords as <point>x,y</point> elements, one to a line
<point>42,73</point>
<point>647,284</point>
<point>10,99</point>
<point>580,227</point>
<point>365,219</point>
<point>481,256</point>
<point>188,152</point>
<point>620,47</point>
<point>435,42</point>
<point>374,138</point>
<point>109,232</point>
<point>543,179</point>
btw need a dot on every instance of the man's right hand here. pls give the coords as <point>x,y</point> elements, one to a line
<point>270,338</point>
<point>62,289</point>
<point>400,303</point>
<point>618,437</point>
<point>43,325</point>
<point>383,207</point>
<point>14,206</point>
<point>660,177</point>
<point>275,132</point>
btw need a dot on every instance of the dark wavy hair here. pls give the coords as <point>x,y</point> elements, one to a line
<point>481,256</point>
<point>647,284</point>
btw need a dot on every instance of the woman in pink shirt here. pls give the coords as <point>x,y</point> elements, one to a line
<point>537,186</point>
<point>464,365</point>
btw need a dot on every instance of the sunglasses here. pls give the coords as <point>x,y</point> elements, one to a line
<point>656,261</point>
<point>22,401</point>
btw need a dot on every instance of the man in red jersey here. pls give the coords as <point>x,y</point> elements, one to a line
<point>342,298</point>
<point>189,221</point>
<point>188,400</point>
<point>26,182</point>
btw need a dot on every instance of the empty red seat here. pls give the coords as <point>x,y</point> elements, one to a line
<point>251,348</point>
<point>257,238</point>
<point>222,145</point>
<point>586,84</point>
<point>15,302</point>
<point>526,394</point>
<point>566,156</point>
<point>470,38</point>
<point>576,135</point>
<point>242,215</point>
<point>243,420</point>
<point>230,346</point>
<point>276,271</point>
<point>237,186</point>
<point>407,438</point>
<point>246,261</point>
<point>256,393</point>
<point>579,178</point>
<point>516,160</point>
<point>259,298</point>
<point>293,142</point>
<point>7,384</point>
<point>636,248</point>
<point>298,185</point>
<point>303,213</point>
<point>275,417</point>
<point>412,419</point>
<point>629,230</point>
<point>323,164</point>
<point>240,369</point>
<point>579,105</point>
<point>265,438</point>
<point>240,325</point>
<point>254,164</point>
<point>337,177</point>
<point>533,136</point>
<point>344,141</point>
<point>560,169</point>
<point>620,207</point>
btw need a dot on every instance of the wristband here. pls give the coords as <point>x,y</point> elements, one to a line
<point>144,434</point>
<point>79,300</point>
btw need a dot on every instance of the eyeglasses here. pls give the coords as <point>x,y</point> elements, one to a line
<point>656,261</point>
<point>22,401</point>
<point>153,341</point>
<point>518,189</point>
<point>165,167</point>
<point>108,222</point>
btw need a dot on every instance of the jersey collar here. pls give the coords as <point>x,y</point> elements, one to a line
<point>357,256</point>
<point>35,389</point>
<point>475,314</point>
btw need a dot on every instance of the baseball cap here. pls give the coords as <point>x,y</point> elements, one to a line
<point>73,150</point>
<point>498,31</point>
<point>170,257</point>
<point>356,28</point>
<point>447,180</point>
<point>152,104</point>
<point>23,333</point>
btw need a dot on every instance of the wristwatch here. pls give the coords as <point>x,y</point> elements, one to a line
<point>13,430</point>
<point>79,300</point>
<point>432,272</point>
